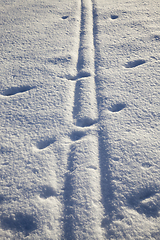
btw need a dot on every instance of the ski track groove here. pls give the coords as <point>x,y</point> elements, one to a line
<point>88,189</point>
<point>107,189</point>
<point>85,105</point>
<point>75,226</point>
<point>83,171</point>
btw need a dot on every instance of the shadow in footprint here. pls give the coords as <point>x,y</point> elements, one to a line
<point>157,37</point>
<point>114,16</point>
<point>20,222</point>
<point>117,107</point>
<point>85,122</point>
<point>1,198</point>
<point>47,191</point>
<point>135,63</point>
<point>43,144</point>
<point>65,17</point>
<point>83,74</point>
<point>146,165</point>
<point>76,135</point>
<point>145,202</point>
<point>15,90</point>
<point>60,60</point>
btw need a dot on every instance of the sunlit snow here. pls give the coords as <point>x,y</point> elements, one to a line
<point>79,119</point>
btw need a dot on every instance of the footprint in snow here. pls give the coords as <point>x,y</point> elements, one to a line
<point>135,63</point>
<point>47,191</point>
<point>114,16</point>
<point>117,107</point>
<point>65,17</point>
<point>16,90</point>
<point>146,201</point>
<point>1,198</point>
<point>77,135</point>
<point>157,37</point>
<point>45,143</point>
<point>19,222</point>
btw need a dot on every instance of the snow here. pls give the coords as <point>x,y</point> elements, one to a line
<point>80,156</point>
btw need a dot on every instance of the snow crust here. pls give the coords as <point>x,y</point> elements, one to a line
<point>79,114</point>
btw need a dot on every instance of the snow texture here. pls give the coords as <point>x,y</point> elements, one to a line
<point>79,114</point>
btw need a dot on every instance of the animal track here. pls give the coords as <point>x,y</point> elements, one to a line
<point>16,90</point>
<point>146,202</point>
<point>81,74</point>
<point>86,122</point>
<point>19,222</point>
<point>76,135</point>
<point>61,59</point>
<point>146,165</point>
<point>65,17</point>
<point>43,144</point>
<point>47,192</point>
<point>157,37</point>
<point>92,167</point>
<point>135,63</point>
<point>1,198</point>
<point>117,107</point>
<point>114,16</point>
<point>35,171</point>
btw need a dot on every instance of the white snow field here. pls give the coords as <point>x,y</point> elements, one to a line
<point>79,119</point>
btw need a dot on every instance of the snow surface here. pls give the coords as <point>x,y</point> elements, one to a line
<point>80,142</point>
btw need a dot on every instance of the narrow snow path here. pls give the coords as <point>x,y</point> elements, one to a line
<point>83,209</point>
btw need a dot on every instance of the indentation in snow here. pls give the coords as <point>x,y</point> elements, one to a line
<point>60,59</point>
<point>157,37</point>
<point>19,222</point>
<point>146,201</point>
<point>85,122</point>
<point>82,74</point>
<point>146,165</point>
<point>47,191</point>
<point>92,167</point>
<point>65,17</point>
<point>117,107</point>
<point>135,63</point>
<point>1,198</point>
<point>114,16</point>
<point>34,170</point>
<point>76,135</point>
<point>15,90</point>
<point>45,143</point>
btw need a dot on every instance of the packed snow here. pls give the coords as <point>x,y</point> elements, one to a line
<point>80,111</point>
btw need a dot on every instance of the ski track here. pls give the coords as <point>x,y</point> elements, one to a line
<point>88,193</point>
<point>107,191</point>
<point>88,189</point>
<point>82,194</point>
<point>78,221</point>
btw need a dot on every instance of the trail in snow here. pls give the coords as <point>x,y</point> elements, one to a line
<point>83,211</point>
<point>80,127</point>
<point>85,106</point>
